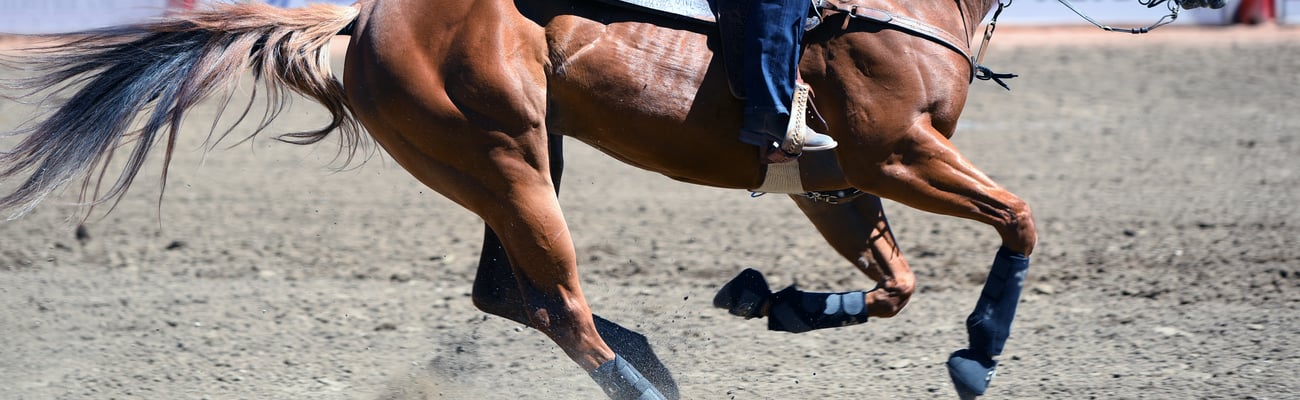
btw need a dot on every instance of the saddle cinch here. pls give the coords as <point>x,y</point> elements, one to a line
<point>708,12</point>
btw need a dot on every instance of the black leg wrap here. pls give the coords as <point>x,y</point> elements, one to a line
<point>798,311</point>
<point>621,381</point>
<point>989,325</point>
<point>745,295</point>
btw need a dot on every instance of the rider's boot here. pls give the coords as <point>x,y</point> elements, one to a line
<point>799,137</point>
<point>796,136</point>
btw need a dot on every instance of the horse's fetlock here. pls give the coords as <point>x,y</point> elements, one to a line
<point>886,310</point>
<point>887,306</point>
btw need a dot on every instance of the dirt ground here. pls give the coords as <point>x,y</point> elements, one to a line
<point>1162,170</point>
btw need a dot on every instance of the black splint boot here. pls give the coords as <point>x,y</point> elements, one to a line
<point>746,295</point>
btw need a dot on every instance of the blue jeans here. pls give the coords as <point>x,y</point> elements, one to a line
<point>773,31</point>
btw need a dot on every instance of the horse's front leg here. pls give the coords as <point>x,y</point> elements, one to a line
<point>925,171</point>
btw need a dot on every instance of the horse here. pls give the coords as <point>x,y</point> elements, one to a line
<point>471,97</point>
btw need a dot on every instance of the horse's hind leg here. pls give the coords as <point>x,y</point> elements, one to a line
<point>463,110</point>
<point>496,291</point>
<point>514,196</point>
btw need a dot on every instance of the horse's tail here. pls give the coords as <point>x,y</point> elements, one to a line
<point>164,68</point>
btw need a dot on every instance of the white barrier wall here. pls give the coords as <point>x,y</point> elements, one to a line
<point>1288,12</point>
<point>300,3</point>
<point>1116,13</point>
<point>55,16</point>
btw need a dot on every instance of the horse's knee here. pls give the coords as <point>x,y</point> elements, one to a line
<point>1017,227</point>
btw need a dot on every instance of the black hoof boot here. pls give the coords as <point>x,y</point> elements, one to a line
<point>745,295</point>
<point>971,373</point>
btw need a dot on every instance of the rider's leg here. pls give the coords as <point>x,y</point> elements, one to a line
<point>773,32</point>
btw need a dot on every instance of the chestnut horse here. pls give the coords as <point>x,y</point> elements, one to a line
<point>466,95</point>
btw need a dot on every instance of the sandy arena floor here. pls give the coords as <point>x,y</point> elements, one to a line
<point>1162,170</point>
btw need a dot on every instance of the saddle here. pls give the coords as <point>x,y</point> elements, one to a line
<point>709,12</point>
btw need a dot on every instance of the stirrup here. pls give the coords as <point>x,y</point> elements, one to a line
<point>798,136</point>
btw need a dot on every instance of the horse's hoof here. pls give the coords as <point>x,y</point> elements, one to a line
<point>745,295</point>
<point>971,373</point>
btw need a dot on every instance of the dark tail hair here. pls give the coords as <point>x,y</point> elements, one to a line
<point>165,68</point>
